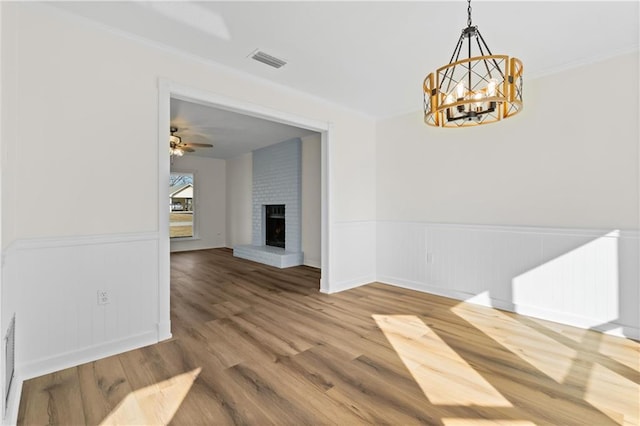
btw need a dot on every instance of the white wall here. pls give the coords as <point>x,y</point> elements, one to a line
<point>569,159</point>
<point>3,320</point>
<point>70,83</point>
<point>311,200</point>
<point>538,214</point>
<point>210,201</point>
<point>239,205</point>
<point>73,77</point>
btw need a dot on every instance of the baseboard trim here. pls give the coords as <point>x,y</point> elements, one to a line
<point>164,331</point>
<point>445,292</point>
<point>614,329</point>
<point>90,353</point>
<point>611,328</point>
<point>349,284</point>
<point>48,365</point>
<point>312,263</point>
<point>13,403</point>
<point>324,285</point>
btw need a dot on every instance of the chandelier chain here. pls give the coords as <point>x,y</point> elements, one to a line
<point>468,13</point>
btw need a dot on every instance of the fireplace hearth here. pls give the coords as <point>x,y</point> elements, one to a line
<point>275,225</point>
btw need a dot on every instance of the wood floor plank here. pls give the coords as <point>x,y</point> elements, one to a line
<point>53,399</point>
<point>103,385</point>
<point>257,345</point>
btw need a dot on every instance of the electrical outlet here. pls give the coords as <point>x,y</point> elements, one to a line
<point>103,297</point>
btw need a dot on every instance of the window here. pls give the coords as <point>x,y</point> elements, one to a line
<point>181,203</point>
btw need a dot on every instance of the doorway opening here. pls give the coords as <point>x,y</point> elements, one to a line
<point>169,91</point>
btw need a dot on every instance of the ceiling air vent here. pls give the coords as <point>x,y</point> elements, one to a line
<point>265,58</point>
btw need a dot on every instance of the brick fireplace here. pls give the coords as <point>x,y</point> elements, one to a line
<point>277,176</point>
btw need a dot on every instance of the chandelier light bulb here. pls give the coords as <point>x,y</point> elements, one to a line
<point>478,97</point>
<point>449,99</point>
<point>491,87</point>
<point>177,152</point>
<point>460,90</point>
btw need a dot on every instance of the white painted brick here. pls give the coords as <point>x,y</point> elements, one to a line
<point>277,176</point>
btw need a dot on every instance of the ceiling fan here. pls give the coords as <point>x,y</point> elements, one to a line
<point>177,147</point>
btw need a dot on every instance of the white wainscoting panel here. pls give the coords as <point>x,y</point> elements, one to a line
<point>54,284</point>
<point>587,278</point>
<point>353,255</point>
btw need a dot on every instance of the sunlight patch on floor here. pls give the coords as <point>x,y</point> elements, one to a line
<point>611,347</point>
<point>544,353</point>
<point>443,375</point>
<point>155,404</point>
<point>627,395</point>
<point>485,422</point>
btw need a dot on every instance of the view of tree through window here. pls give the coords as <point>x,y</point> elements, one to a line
<point>181,192</point>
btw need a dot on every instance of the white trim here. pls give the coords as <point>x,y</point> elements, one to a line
<point>194,216</point>
<point>406,264</point>
<point>312,263</point>
<point>351,283</point>
<point>199,59</point>
<point>23,371</point>
<point>281,87</point>
<point>164,329</point>
<point>443,292</point>
<point>164,244</point>
<point>619,330</point>
<point>177,239</point>
<point>326,215</point>
<point>167,90</point>
<point>88,354</point>
<point>13,404</point>
<point>559,317</point>
<point>189,94</point>
<point>584,62</point>
<point>538,230</point>
<point>82,240</point>
<point>4,404</point>
<point>71,359</point>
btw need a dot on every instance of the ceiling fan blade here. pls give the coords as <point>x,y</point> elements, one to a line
<point>200,145</point>
<point>187,149</point>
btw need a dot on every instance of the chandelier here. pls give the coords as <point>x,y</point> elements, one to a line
<point>475,90</point>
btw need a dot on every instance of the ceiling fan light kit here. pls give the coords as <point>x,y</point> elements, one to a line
<point>475,90</point>
<point>177,148</point>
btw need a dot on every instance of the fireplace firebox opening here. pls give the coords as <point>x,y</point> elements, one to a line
<point>274,225</point>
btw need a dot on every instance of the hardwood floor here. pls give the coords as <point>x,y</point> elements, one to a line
<point>258,345</point>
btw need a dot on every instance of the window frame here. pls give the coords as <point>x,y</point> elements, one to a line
<point>194,206</point>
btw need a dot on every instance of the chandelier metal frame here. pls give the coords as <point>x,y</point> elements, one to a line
<point>475,90</point>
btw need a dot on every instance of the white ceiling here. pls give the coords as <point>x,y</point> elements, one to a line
<point>231,134</point>
<point>367,56</point>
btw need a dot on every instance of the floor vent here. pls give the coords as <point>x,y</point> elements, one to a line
<point>265,58</point>
<point>9,358</point>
